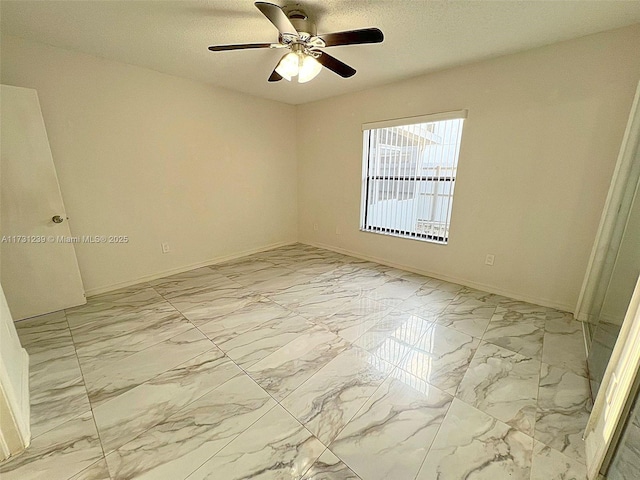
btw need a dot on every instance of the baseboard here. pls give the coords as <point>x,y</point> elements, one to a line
<point>186,268</point>
<point>480,286</point>
<point>244,253</point>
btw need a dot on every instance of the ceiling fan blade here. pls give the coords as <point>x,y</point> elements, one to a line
<point>336,66</point>
<point>353,37</point>
<point>276,16</point>
<point>238,46</point>
<point>275,77</point>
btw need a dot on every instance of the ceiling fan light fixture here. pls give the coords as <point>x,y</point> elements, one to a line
<point>289,66</point>
<point>309,69</point>
<point>297,33</point>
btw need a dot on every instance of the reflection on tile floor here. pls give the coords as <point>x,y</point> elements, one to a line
<point>301,363</point>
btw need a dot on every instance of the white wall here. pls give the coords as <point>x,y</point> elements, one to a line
<point>538,150</point>
<point>160,159</point>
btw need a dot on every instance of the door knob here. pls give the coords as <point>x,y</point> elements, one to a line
<point>57,219</point>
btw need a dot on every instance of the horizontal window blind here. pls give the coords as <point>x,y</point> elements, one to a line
<point>409,173</point>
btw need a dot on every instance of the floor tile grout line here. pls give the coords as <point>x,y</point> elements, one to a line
<point>250,330</point>
<point>181,408</point>
<point>91,466</point>
<point>535,424</point>
<point>80,377</point>
<point>387,314</point>
<point>258,326</point>
<point>434,324</point>
<point>226,444</point>
<point>252,284</point>
<point>234,437</point>
<point>251,378</point>
<point>313,463</point>
<point>277,402</point>
<point>324,366</point>
<point>354,415</point>
<point>174,413</point>
<point>532,436</point>
<point>299,313</point>
<point>479,409</point>
<point>71,330</point>
<point>153,377</point>
<point>537,405</point>
<point>93,417</point>
<point>526,434</point>
<point>365,403</point>
<point>391,370</point>
<point>73,417</point>
<point>488,323</point>
<point>135,353</point>
<point>433,441</point>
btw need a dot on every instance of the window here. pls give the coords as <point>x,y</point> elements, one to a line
<point>409,174</point>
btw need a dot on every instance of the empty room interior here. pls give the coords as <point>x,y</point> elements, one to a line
<point>320,240</point>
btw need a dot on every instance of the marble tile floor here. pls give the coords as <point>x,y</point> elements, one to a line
<point>301,363</point>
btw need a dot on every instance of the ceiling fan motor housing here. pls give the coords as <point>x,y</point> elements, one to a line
<point>305,27</point>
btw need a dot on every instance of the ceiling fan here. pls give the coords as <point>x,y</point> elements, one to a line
<point>298,34</point>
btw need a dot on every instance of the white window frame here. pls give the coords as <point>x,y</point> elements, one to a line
<point>407,121</point>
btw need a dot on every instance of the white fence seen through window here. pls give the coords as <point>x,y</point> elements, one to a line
<point>409,174</point>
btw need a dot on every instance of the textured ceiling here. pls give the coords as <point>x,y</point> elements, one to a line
<point>420,36</point>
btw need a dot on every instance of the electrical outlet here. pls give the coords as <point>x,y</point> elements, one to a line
<point>338,231</point>
<point>165,248</point>
<point>489,260</point>
<point>315,227</point>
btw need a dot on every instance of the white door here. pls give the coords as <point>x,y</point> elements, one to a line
<point>38,271</point>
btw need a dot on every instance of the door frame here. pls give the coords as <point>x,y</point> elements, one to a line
<point>626,176</point>
<point>620,382</point>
